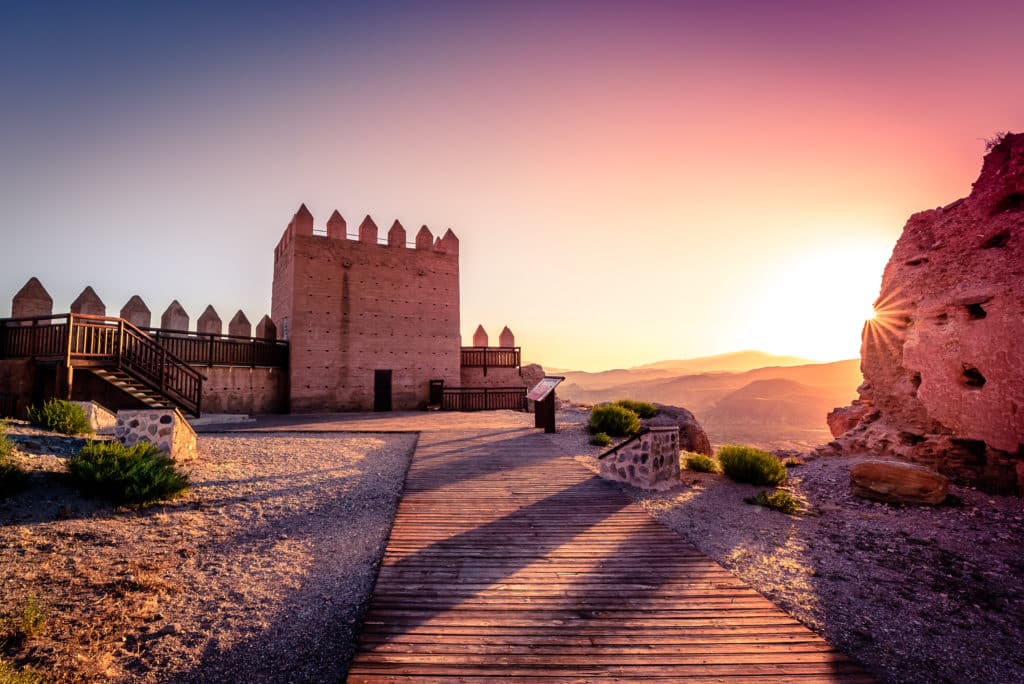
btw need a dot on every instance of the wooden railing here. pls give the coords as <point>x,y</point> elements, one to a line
<point>483,398</point>
<point>491,357</point>
<point>104,342</point>
<point>207,349</point>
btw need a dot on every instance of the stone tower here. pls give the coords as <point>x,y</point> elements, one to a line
<point>369,325</point>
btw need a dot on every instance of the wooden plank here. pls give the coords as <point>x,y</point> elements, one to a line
<point>510,561</point>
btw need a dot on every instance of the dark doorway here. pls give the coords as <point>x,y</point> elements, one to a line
<point>382,390</point>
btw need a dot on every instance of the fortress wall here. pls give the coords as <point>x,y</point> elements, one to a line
<point>354,306</point>
<point>232,389</point>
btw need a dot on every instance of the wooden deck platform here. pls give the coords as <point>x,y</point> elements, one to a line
<point>508,560</point>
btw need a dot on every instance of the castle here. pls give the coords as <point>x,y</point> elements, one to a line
<point>357,322</point>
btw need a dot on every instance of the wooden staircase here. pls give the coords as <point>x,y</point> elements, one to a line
<point>112,349</point>
<point>132,387</point>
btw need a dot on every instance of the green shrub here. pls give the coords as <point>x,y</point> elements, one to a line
<point>12,477</point>
<point>641,408</point>
<point>600,439</point>
<point>779,500</point>
<point>747,464</point>
<point>60,416</point>
<point>137,474</point>
<point>613,420</point>
<point>699,463</point>
<point>10,675</point>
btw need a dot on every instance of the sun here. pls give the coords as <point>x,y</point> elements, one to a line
<point>818,301</point>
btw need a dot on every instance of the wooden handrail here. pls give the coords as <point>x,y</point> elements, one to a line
<point>108,340</point>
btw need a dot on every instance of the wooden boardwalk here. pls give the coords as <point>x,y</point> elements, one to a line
<point>508,560</point>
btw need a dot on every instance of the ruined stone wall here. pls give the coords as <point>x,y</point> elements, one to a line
<point>942,361</point>
<point>354,306</point>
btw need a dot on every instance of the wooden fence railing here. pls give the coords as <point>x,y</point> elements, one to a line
<point>207,349</point>
<point>483,398</point>
<point>104,342</point>
<point>491,357</point>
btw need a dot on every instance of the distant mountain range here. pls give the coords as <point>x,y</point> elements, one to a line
<point>748,396</point>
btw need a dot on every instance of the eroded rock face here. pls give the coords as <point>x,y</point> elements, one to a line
<point>943,361</point>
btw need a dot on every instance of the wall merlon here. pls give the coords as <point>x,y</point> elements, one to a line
<point>302,222</point>
<point>175,317</point>
<point>396,235</point>
<point>209,322</point>
<point>450,242</point>
<point>424,238</point>
<point>136,312</point>
<point>239,325</point>
<point>265,329</point>
<point>31,300</point>
<point>336,226</point>
<point>480,338</point>
<point>368,231</point>
<point>506,338</point>
<point>88,302</point>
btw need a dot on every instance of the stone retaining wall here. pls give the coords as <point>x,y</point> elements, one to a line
<point>165,428</point>
<point>646,460</point>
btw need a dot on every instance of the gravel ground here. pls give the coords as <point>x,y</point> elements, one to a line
<point>264,567</point>
<point>916,594</point>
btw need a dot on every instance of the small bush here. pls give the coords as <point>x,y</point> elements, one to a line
<point>779,500</point>
<point>134,475</point>
<point>747,464</point>
<point>699,463</point>
<point>12,477</point>
<point>613,420</point>
<point>641,408</point>
<point>600,439</point>
<point>60,416</point>
<point>10,675</point>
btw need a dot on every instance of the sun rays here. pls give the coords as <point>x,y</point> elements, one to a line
<point>887,326</point>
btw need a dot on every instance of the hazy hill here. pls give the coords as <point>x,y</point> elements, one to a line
<point>776,406</point>
<point>732,362</point>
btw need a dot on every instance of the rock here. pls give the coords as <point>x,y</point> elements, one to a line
<point>899,483</point>
<point>842,420</point>
<point>942,373</point>
<point>532,373</point>
<point>691,435</point>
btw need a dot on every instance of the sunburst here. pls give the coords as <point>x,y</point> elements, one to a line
<point>886,327</point>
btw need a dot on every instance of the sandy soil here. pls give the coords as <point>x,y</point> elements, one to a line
<point>263,567</point>
<point>916,594</point>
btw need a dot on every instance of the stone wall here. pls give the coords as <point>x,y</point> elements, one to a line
<point>646,460</point>
<point>351,307</point>
<point>167,429</point>
<point>232,389</point>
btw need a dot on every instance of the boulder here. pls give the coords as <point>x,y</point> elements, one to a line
<point>942,371</point>
<point>898,483</point>
<point>691,435</point>
<point>843,419</point>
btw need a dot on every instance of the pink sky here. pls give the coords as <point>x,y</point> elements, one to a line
<point>628,185</point>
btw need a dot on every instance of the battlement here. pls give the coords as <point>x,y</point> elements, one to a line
<point>33,300</point>
<point>302,225</point>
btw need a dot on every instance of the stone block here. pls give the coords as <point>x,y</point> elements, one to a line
<point>167,429</point>
<point>899,483</point>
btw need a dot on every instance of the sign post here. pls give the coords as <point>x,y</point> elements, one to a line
<point>543,394</point>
